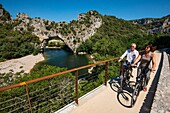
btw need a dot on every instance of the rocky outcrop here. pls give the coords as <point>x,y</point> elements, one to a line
<point>155,25</point>
<point>4,15</point>
<point>143,21</point>
<point>73,33</point>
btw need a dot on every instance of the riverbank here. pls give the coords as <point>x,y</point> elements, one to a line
<point>16,65</point>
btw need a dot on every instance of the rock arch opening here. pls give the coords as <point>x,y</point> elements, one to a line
<point>54,42</point>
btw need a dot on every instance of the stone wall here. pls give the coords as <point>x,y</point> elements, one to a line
<point>161,103</point>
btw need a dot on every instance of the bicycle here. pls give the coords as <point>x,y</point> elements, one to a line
<point>120,82</point>
<point>125,77</point>
<point>141,82</point>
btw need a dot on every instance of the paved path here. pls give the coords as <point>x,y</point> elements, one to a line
<point>105,100</point>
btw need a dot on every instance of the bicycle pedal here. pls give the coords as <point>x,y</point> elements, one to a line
<point>128,86</point>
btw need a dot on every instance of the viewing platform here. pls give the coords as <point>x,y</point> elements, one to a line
<point>104,100</point>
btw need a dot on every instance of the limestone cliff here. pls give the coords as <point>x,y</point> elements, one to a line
<point>73,33</point>
<point>155,25</point>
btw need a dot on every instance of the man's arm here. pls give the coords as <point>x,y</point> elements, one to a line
<point>124,54</point>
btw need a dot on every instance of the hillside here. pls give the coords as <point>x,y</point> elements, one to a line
<point>108,34</point>
<point>113,37</point>
<point>25,35</point>
<point>92,32</point>
<point>77,32</point>
<point>15,44</point>
<point>155,25</point>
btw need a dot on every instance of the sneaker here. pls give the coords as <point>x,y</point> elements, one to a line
<point>145,89</point>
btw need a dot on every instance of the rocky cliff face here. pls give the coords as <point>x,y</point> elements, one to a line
<point>4,15</point>
<point>73,33</point>
<point>155,25</point>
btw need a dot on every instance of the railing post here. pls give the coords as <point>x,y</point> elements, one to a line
<point>121,67</point>
<point>28,98</point>
<point>76,80</point>
<point>106,73</point>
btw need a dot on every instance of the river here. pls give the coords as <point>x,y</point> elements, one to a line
<point>63,58</point>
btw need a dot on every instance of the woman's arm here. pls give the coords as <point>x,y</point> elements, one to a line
<point>137,60</point>
<point>153,61</point>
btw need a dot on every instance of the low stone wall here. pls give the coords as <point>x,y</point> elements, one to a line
<point>161,103</point>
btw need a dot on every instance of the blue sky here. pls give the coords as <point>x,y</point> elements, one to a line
<point>66,10</point>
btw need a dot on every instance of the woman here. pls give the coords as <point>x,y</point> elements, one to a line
<point>145,57</point>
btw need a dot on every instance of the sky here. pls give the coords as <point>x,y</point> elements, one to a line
<point>67,10</point>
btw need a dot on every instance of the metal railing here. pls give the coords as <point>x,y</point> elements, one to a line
<point>26,97</point>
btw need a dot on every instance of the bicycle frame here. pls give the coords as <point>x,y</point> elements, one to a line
<point>123,76</point>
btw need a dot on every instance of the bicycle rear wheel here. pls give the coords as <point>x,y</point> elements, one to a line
<point>135,94</point>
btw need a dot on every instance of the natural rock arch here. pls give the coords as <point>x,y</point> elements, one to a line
<point>69,44</point>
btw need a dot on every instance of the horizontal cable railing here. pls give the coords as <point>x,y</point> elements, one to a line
<point>56,93</point>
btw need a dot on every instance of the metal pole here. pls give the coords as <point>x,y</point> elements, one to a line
<point>121,67</point>
<point>28,98</point>
<point>106,73</point>
<point>76,80</point>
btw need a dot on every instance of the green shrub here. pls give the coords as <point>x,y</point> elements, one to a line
<point>15,44</point>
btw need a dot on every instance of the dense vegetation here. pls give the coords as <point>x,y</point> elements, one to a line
<point>15,44</point>
<point>46,96</point>
<point>161,40</point>
<point>116,35</point>
<point>113,37</point>
<point>51,94</point>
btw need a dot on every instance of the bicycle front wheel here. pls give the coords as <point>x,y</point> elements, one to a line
<point>124,99</point>
<point>115,85</point>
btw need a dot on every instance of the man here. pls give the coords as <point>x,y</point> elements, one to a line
<point>131,54</point>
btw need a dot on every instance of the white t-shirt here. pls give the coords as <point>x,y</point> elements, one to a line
<point>131,55</point>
